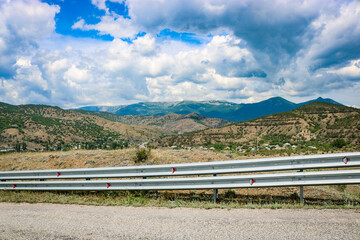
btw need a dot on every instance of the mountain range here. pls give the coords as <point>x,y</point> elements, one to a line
<point>216,109</point>
<point>49,127</point>
<point>171,123</point>
<point>42,127</point>
<point>317,124</point>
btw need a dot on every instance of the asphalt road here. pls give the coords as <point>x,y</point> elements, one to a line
<point>54,221</point>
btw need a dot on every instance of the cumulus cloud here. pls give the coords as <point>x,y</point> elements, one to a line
<point>115,26</point>
<point>22,24</point>
<point>250,51</point>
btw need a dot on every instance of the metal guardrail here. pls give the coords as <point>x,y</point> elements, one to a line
<point>243,181</point>
<point>337,160</point>
<point>9,179</point>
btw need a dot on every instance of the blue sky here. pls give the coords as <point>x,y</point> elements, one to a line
<point>110,52</point>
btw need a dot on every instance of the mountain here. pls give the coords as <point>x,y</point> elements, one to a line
<point>111,109</point>
<point>42,126</point>
<point>173,122</point>
<point>316,123</point>
<point>216,109</point>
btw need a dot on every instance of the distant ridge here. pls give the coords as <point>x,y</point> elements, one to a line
<point>313,125</point>
<point>172,123</point>
<point>216,109</point>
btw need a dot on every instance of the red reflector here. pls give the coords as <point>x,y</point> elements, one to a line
<point>345,160</point>
<point>173,170</point>
<point>14,186</point>
<point>108,185</point>
<point>58,174</point>
<point>252,181</point>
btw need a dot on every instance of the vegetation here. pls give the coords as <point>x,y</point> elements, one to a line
<point>314,127</point>
<point>142,155</point>
<point>172,123</point>
<point>193,199</point>
<point>338,143</point>
<point>40,127</point>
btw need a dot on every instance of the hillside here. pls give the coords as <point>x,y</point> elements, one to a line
<point>216,109</point>
<point>316,124</point>
<point>46,127</point>
<point>176,123</point>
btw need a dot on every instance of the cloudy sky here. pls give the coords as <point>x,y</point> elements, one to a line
<point>110,52</point>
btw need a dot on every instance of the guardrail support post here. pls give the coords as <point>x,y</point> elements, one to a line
<point>301,192</point>
<point>215,194</point>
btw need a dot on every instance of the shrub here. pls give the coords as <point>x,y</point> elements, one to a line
<point>338,143</point>
<point>142,155</point>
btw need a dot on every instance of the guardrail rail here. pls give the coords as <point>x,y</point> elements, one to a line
<point>19,180</point>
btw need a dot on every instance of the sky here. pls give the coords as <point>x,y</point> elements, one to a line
<point>111,52</point>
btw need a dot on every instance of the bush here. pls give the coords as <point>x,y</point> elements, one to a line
<point>142,155</point>
<point>338,143</point>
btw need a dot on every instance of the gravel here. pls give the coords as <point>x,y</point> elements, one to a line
<point>55,221</point>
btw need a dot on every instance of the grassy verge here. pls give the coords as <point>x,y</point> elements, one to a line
<point>228,200</point>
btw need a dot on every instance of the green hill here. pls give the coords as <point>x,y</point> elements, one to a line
<point>47,127</point>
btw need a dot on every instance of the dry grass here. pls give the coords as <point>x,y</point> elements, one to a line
<point>286,197</point>
<point>102,158</point>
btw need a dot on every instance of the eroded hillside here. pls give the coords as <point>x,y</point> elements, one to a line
<point>316,123</point>
<point>41,126</point>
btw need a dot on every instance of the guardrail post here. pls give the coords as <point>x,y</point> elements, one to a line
<point>215,194</point>
<point>301,192</point>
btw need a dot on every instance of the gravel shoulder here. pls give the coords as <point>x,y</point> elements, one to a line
<point>55,221</point>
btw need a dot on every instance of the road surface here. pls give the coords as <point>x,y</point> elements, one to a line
<point>55,221</point>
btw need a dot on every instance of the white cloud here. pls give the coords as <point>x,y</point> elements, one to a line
<point>101,4</point>
<point>352,71</point>
<point>77,75</point>
<point>22,24</point>
<point>116,26</point>
<point>252,50</point>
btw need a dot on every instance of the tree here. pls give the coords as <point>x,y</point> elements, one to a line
<point>17,147</point>
<point>24,146</point>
